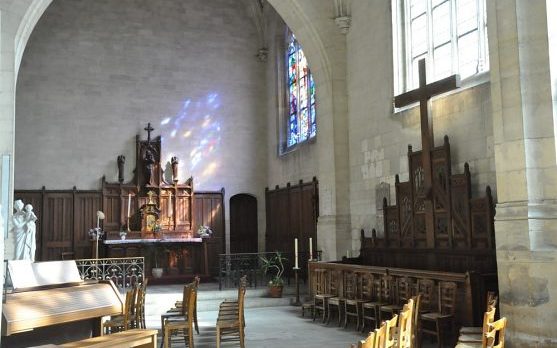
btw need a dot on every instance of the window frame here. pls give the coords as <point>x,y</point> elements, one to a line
<point>403,57</point>
<point>284,90</point>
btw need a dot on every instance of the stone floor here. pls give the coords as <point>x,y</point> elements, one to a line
<point>269,322</point>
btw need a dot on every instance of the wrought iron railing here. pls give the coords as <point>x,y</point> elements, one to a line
<point>234,266</point>
<point>125,272</point>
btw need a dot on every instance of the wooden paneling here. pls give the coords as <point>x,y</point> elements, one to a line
<point>86,205</point>
<point>291,212</point>
<point>209,211</point>
<point>66,216</point>
<point>58,219</point>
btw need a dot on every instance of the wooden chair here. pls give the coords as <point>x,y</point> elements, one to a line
<point>444,315</point>
<point>338,301</point>
<point>184,322</point>
<point>496,333</point>
<point>491,302</point>
<point>369,342</point>
<point>323,291</point>
<point>475,339</point>
<point>400,291</point>
<point>370,309</point>
<point>428,292</point>
<point>357,296</point>
<point>228,324</point>
<point>405,325</point>
<point>391,331</point>
<point>417,300</point>
<point>381,336</point>
<point>140,307</point>
<point>231,307</point>
<point>125,320</point>
<point>178,304</point>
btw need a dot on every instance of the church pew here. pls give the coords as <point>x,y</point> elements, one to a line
<point>135,338</point>
<point>465,282</point>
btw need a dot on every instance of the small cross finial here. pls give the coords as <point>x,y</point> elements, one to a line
<point>149,129</point>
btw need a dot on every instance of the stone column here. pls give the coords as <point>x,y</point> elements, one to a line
<point>524,134</point>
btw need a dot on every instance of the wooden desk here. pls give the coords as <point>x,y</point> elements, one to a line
<point>139,338</point>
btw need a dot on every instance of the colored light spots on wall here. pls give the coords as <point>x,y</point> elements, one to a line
<point>193,134</point>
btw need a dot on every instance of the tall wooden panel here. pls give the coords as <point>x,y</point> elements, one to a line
<point>291,212</point>
<point>86,205</point>
<point>209,211</point>
<point>58,221</point>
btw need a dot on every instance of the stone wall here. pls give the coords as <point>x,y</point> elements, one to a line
<point>95,72</point>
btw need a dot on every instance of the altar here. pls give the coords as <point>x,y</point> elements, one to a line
<point>178,257</point>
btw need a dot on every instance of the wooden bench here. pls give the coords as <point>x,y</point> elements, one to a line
<point>139,338</point>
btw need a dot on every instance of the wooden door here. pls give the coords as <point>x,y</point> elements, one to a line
<point>243,224</point>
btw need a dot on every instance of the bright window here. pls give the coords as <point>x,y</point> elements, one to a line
<point>450,34</point>
<point>300,125</point>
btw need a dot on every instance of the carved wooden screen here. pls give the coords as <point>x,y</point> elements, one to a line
<point>462,236</point>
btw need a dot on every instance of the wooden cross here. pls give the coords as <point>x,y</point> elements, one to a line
<point>149,129</point>
<point>423,95</point>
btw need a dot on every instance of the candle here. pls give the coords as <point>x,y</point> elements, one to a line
<point>129,203</point>
<point>310,248</point>
<point>347,254</point>
<point>98,221</point>
<point>296,252</point>
<point>170,204</point>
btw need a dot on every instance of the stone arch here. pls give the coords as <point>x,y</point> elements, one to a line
<point>325,49</point>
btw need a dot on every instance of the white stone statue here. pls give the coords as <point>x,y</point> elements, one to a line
<point>31,229</point>
<point>18,228</point>
<point>24,228</point>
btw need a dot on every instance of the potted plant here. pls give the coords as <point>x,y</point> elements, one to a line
<point>274,265</point>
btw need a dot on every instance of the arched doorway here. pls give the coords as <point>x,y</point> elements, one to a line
<point>243,223</point>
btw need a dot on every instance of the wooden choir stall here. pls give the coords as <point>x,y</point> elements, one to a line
<point>435,234</point>
<point>156,213</point>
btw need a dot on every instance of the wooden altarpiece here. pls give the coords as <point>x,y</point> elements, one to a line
<point>435,224</point>
<point>156,211</point>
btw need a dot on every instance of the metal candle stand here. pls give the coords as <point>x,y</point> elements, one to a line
<point>297,302</point>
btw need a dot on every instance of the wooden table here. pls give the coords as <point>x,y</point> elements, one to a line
<point>139,338</point>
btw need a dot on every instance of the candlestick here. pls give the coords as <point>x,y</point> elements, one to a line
<point>129,203</point>
<point>296,252</point>
<point>310,248</point>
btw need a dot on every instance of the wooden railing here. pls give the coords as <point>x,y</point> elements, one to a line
<point>468,298</point>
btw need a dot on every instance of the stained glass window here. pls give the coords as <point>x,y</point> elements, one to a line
<point>301,125</point>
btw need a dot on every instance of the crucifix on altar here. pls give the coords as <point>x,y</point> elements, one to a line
<point>423,94</point>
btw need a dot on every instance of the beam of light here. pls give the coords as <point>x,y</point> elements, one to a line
<point>194,137</point>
